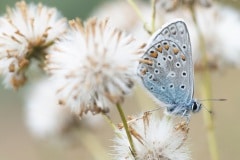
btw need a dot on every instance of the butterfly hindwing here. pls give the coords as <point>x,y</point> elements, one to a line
<point>170,75</point>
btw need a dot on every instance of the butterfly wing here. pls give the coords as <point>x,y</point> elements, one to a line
<point>167,69</point>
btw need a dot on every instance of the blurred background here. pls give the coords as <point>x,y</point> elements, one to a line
<point>18,142</point>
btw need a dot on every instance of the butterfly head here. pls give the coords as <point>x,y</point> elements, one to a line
<point>196,106</point>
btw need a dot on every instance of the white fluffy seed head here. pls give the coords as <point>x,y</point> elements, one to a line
<point>171,5</point>
<point>128,19</point>
<point>153,138</point>
<point>25,33</point>
<point>219,26</point>
<point>95,64</point>
<point>44,117</point>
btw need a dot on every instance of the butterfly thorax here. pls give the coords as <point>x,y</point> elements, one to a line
<point>184,110</point>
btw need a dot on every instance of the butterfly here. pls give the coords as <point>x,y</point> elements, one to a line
<point>166,69</point>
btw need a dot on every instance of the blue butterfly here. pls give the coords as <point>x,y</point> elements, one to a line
<point>166,69</point>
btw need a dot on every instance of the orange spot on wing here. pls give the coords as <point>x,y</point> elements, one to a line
<point>146,61</point>
<point>175,51</point>
<point>153,54</point>
<point>143,71</point>
<point>166,46</point>
<point>183,57</point>
<point>159,49</point>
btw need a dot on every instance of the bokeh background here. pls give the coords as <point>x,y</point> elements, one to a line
<point>16,142</point>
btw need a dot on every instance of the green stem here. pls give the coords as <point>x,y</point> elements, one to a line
<point>138,12</point>
<point>92,144</point>
<point>109,121</point>
<point>153,15</point>
<point>207,94</point>
<point>136,9</point>
<point>125,125</point>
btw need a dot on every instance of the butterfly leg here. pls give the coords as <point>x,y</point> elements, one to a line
<point>186,115</point>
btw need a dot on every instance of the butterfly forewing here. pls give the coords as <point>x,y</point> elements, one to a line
<point>170,75</point>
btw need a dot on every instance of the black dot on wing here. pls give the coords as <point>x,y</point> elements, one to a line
<point>184,73</point>
<point>171,86</point>
<point>170,57</point>
<point>182,87</point>
<point>163,88</point>
<point>156,71</point>
<point>178,65</point>
<point>172,74</point>
<point>164,58</point>
<point>151,88</point>
<point>173,30</point>
<point>184,46</point>
<point>165,43</point>
<point>180,27</point>
<point>150,77</point>
<point>158,64</point>
<point>166,31</point>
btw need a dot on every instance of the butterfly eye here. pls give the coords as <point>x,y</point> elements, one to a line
<point>196,107</point>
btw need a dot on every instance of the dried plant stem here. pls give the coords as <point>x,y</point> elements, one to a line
<point>125,125</point>
<point>153,15</point>
<point>92,144</point>
<point>136,9</point>
<point>207,94</point>
<point>139,13</point>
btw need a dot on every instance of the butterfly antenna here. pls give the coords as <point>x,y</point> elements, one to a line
<point>213,99</point>
<point>209,111</point>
